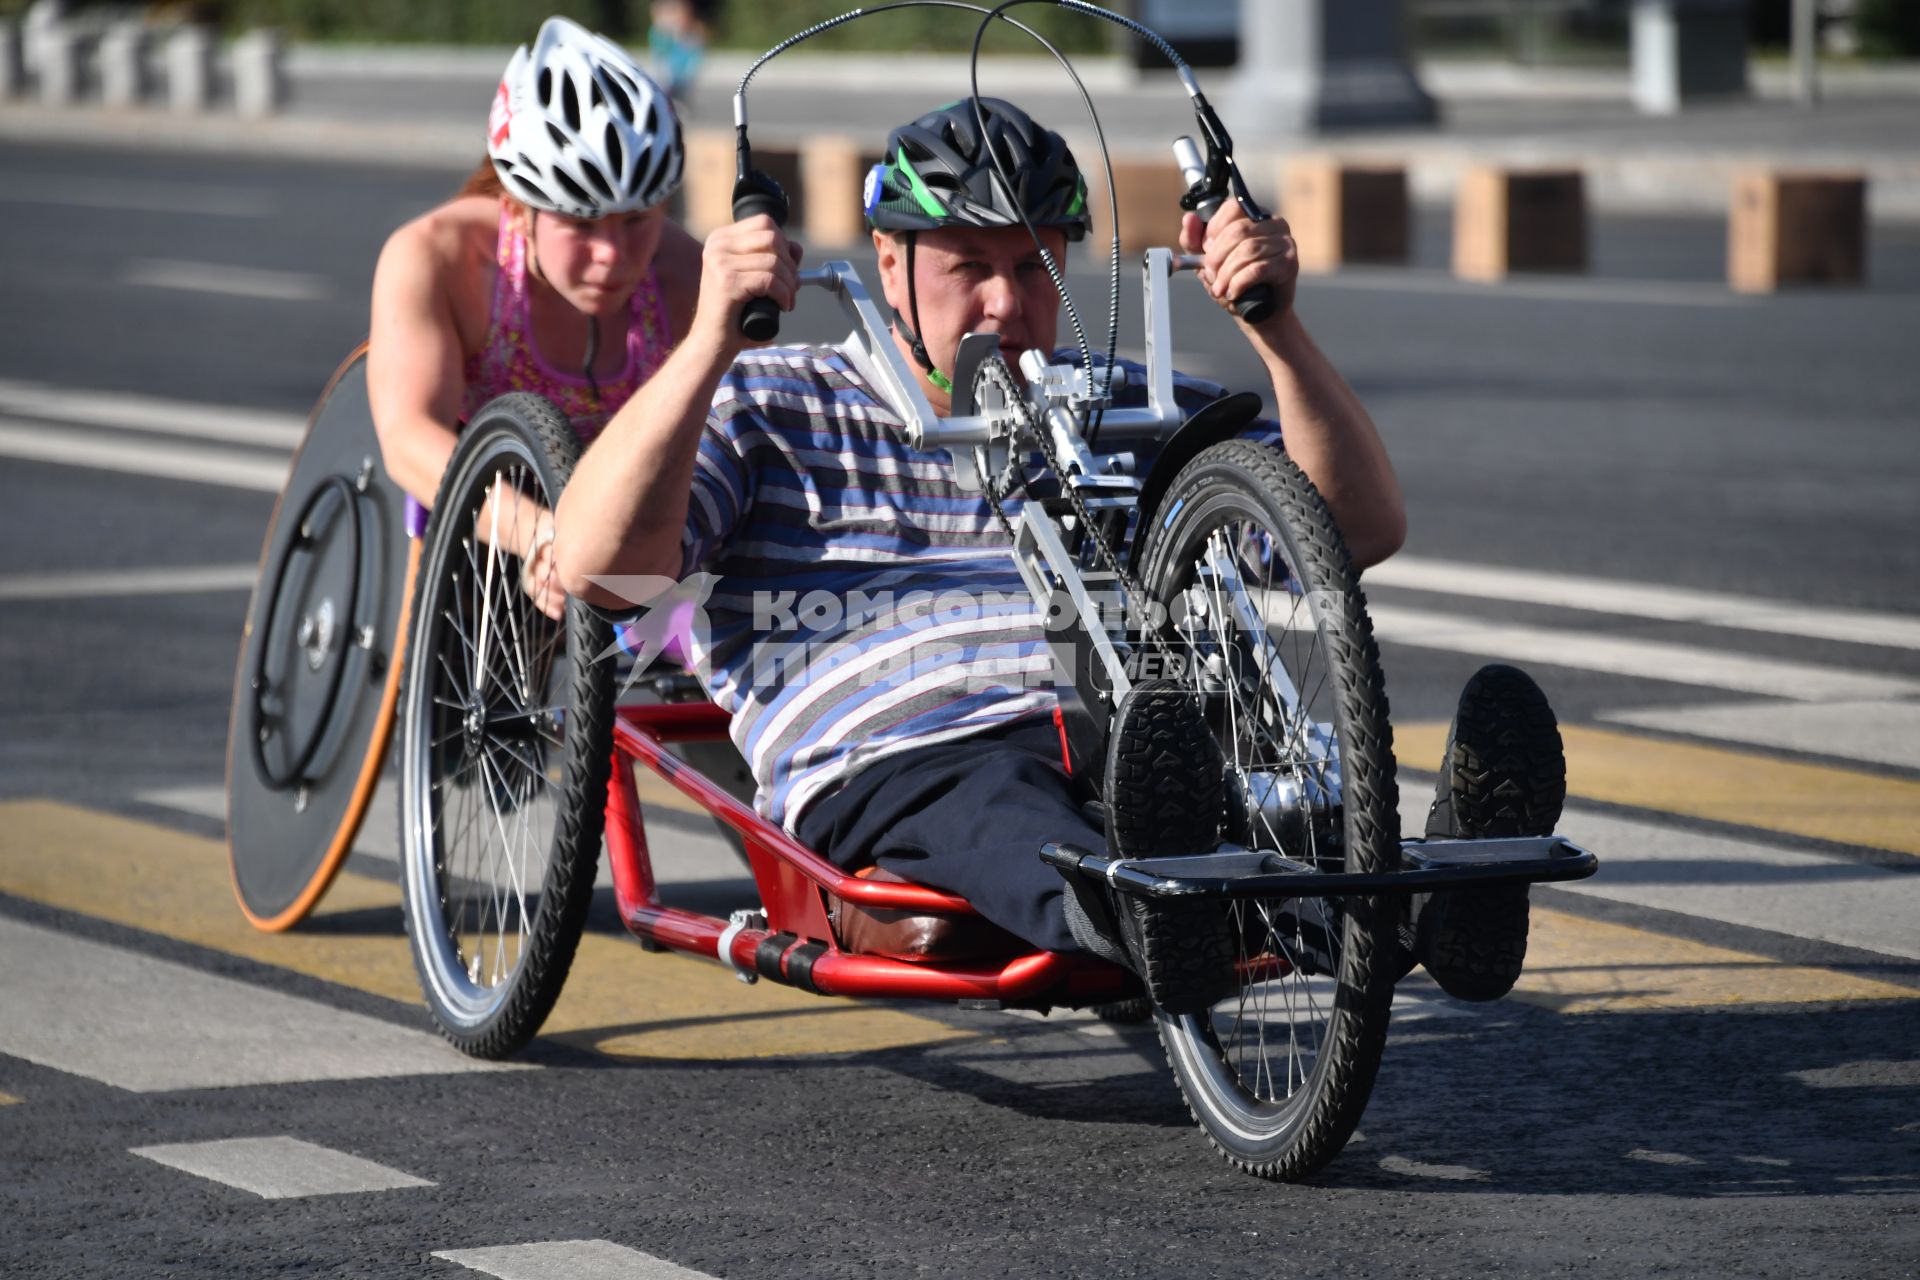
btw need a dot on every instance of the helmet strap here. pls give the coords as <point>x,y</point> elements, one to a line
<point>912,328</point>
<point>593,353</point>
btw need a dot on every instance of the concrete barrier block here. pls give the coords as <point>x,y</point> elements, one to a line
<point>1342,212</point>
<point>833,172</point>
<point>1149,199</point>
<point>123,64</point>
<point>259,82</point>
<point>711,167</point>
<point>189,63</point>
<point>1796,228</point>
<point>57,67</point>
<point>1508,220</point>
<point>13,62</point>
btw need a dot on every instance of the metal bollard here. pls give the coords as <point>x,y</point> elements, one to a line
<point>123,64</point>
<point>13,67</point>
<point>58,66</point>
<point>190,69</point>
<point>259,86</point>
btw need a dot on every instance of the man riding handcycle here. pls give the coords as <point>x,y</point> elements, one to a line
<point>1053,672</point>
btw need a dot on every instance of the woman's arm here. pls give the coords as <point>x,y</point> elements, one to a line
<point>416,382</point>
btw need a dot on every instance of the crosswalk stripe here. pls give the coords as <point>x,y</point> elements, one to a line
<point>1576,965</point>
<point>90,584</point>
<point>575,1259</point>
<point>618,999</point>
<point>228,468</point>
<point>1646,600</point>
<point>1739,882</point>
<point>1618,655</point>
<point>127,412</point>
<point>279,1168</point>
<point>1869,732</point>
<point>153,1026</point>
<point>1741,788</point>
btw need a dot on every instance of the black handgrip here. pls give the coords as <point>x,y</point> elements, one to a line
<point>756,193</point>
<point>1256,304</point>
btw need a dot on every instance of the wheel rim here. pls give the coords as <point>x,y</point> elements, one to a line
<point>488,718</point>
<point>1250,644</point>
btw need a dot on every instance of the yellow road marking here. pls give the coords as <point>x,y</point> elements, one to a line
<point>8,1100</point>
<point>1740,787</point>
<point>617,998</point>
<point>1575,965</point>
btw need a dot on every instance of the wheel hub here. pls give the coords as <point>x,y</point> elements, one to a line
<point>317,632</point>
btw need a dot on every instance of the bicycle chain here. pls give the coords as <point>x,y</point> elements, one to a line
<point>996,371</point>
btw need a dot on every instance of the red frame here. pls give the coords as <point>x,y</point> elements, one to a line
<point>794,882</point>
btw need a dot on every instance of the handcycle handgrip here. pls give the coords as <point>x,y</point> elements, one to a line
<point>755,193</point>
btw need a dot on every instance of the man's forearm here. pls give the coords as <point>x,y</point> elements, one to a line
<point>1330,435</point>
<point>625,509</point>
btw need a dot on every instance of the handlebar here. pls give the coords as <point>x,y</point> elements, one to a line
<point>754,193</point>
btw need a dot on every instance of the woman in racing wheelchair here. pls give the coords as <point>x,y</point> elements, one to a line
<point>555,270</point>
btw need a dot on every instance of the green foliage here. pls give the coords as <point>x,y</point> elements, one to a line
<point>1889,28</point>
<point>760,24</point>
<point>430,21</point>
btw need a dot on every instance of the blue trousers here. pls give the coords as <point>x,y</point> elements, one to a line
<point>968,817</point>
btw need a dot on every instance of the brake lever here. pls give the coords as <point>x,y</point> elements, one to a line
<point>1208,181</point>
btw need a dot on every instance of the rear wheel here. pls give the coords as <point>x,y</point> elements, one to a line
<point>506,735</point>
<point>1266,623</point>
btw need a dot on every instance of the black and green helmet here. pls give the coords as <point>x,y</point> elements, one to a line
<point>939,173</point>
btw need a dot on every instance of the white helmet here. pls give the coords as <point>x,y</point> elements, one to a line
<point>578,129</point>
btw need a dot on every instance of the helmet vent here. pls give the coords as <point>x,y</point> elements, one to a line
<point>559,138</point>
<point>546,87</point>
<point>574,189</point>
<point>570,104</point>
<point>619,100</point>
<point>615,152</point>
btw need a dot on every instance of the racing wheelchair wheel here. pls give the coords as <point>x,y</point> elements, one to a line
<point>1265,621</point>
<point>506,737</point>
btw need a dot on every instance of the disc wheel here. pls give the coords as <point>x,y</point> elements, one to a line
<point>1265,621</point>
<point>506,734</point>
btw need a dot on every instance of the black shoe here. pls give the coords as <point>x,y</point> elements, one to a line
<point>1165,790</point>
<point>1504,775</point>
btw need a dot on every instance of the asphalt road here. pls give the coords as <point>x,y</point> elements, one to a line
<point>1710,1068</point>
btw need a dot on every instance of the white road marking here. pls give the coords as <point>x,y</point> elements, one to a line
<point>1868,1073</point>
<point>136,196</point>
<point>1870,732</point>
<point>1645,659</point>
<point>575,1259</point>
<point>1803,895</point>
<point>227,468</point>
<point>99,583</point>
<point>1661,1157</point>
<point>279,1168</point>
<point>1444,1172</point>
<point>149,1025</point>
<point>1645,293</point>
<point>127,412</point>
<point>218,277</point>
<point>1646,600</point>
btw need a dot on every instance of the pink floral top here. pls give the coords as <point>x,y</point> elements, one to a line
<point>508,361</point>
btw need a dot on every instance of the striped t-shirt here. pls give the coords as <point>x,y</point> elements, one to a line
<point>865,603</point>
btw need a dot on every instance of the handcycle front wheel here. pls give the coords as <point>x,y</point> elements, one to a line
<point>506,737</point>
<point>1265,622</point>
